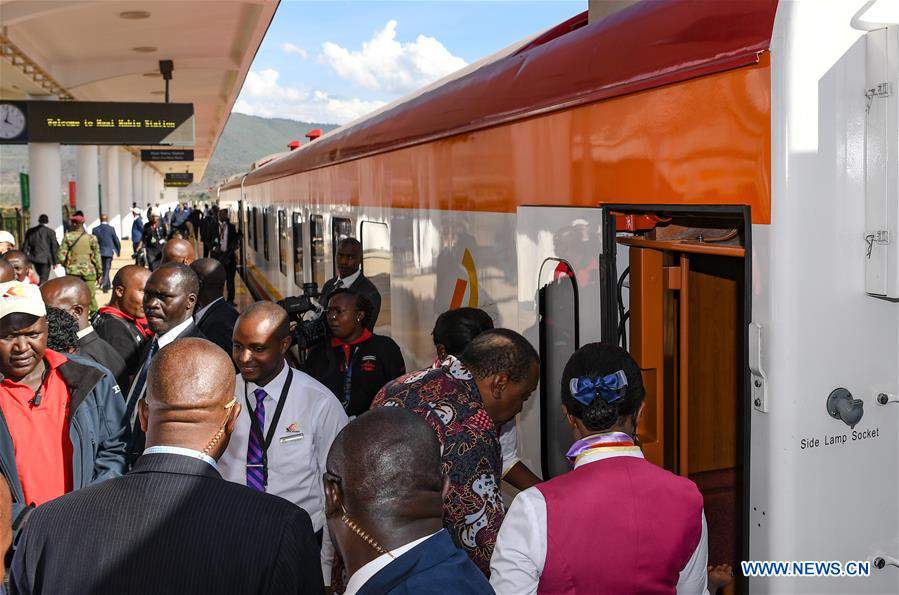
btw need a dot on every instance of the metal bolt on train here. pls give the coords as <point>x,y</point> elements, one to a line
<point>715,186</point>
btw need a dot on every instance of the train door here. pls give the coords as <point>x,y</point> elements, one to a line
<point>559,278</point>
<point>687,329</point>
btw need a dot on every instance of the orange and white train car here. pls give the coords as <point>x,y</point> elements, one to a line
<point>713,184</point>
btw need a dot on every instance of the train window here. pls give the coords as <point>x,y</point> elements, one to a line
<point>283,248</point>
<point>317,249</point>
<point>297,225</point>
<point>340,230</point>
<point>265,217</point>
<point>253,224</point>
<point>558,303</point>
<point>376,264</point>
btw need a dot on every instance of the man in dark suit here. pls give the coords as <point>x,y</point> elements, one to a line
<point>384,505</point>
<point>169,299</point>
<point>349,271</point>
<point>224,249</point>
<point>109,248</point>
<point>214,316</point>
<point>121,323</point>
<point>173,525</point>
<point>72,295</point>
<point>152,239</point>
<point>40,246</point>
<point>209,230</point>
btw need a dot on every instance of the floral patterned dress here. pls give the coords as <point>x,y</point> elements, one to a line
<point>448,399</point>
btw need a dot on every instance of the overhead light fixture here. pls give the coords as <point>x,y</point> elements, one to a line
<point>157,92</point>
<point>153,75</point>
<point>133,15</point>
<point>144,49</point>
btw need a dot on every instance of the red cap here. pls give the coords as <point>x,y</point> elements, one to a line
<point>78,218</point>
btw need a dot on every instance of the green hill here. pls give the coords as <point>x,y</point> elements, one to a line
<point>244,140</point>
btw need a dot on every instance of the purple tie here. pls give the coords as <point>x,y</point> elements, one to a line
<point>255,471</point>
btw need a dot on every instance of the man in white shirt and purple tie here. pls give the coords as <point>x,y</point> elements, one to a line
<point>287,422</point>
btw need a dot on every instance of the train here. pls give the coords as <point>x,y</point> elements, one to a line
<point>715,186</point>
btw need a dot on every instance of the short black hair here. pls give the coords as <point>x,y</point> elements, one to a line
<point>401,460</point>
<point>597,360</point>
<point>79,214</point>
<point>363,304</point>
<point>62,330</point>
<point>455,329</point>
<point>499,350</point>
<point>356,244</point>
<point>43,219</point>
<point>187,278</point>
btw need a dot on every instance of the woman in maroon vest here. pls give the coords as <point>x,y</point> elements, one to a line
<point>616,523</point>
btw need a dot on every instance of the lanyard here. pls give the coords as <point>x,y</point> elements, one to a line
<point>348,377</point>
<point>273,426</point>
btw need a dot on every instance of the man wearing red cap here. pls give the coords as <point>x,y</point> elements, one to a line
<point>79,254</point>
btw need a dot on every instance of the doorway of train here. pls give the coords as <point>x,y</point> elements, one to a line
<point>671,285</point>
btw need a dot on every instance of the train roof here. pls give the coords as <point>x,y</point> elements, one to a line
<point>649,44</point>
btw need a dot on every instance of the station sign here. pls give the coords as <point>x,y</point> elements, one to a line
<point>178,179</point>
<point>97,123</point>
<point>166,154</point>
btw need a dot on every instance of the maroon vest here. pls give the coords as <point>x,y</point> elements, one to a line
<point>618,525</point>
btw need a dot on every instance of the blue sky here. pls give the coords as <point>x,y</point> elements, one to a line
<point>334,61</point>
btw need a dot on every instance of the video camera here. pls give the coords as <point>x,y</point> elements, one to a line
<point>309,331</point>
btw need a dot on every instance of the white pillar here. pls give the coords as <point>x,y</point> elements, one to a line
<point>45,181</point>
<point>87,181</point>
<point>137,171</point>
<point>111,205</point>
<point>126,192</point>
<point>147,182</point>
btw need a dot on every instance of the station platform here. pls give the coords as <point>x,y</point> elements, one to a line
<point>242,295</point>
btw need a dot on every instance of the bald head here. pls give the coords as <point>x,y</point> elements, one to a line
<point>128,290</point>
<point>178,250</point>
<point>190,391</point>
<point>7,273</point>
<point>398,473</point>
<point>268,315</point>
<point>20,263</point>
<point>261,338</point>
<point>212,280</point>
<point>70,294</point>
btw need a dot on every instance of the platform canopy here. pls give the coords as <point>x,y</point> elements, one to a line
<point>109,50</point>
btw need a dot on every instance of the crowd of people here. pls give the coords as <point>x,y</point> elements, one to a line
<point>166,442</point>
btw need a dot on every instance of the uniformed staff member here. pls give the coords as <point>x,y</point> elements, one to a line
<point>354,363</point>
<point>79,254</point>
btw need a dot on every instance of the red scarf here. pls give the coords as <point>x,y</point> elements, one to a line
<point>347,351</point>
<point>140,323</point>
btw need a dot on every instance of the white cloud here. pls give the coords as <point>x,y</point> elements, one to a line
<point>385,64</point>
<point>262,95</point>
<point>289,48</point>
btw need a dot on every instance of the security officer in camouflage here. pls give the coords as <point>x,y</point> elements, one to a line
<point>79,254</point>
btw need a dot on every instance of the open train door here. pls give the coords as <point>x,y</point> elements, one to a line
<point>559,287</point>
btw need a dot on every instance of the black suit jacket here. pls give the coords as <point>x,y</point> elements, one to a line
<point>94,347</point>
<point>226,254</point>
<point>362,285</point>
<point>40,245</point>
<point>218,323</point>
<point>125,339</point>
<point>171,525</point>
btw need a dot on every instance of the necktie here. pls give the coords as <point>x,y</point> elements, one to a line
<point>255,470</point>
<point>339,284</point>
<point>140,382</point>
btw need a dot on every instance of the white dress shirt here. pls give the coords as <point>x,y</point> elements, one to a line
<point>198,316</point>
<point>223,236</point>
<point>508,444</point>
<point>84,332</point>
<point>184,452</point>
<point>348,281</point>
<point>310,420</point>
<point>520,553</point>
<point>365,573</point>
<point>173,333</point>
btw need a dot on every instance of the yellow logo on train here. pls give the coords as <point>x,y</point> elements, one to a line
<point>462,284</point>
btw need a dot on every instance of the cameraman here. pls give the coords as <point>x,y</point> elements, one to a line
<point>353,362</point>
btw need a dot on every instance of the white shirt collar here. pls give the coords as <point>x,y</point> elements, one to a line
<point>275,386</point>
<point>198,316</point>
<point>607,453</point>
<point>365,573</point>
<point>170,336</point>
<point>185,452</point>
<point>348,281</point>
<point>85,332</point>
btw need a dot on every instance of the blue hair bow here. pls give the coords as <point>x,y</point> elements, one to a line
<point>610,388</point>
